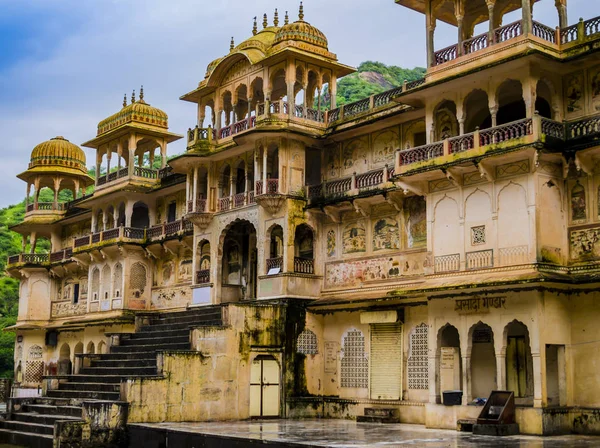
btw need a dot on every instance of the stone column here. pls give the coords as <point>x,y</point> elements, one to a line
<point>24,244</point>
<point>163,153</point>
<point>32,242</point>
<point>563,20</point>
<point>491,5</point>
<point>501,371</point>
<point>195,189</point>
<point>333,92</point>
<point>461,33</point>
<point>108,154</point>
<point>28,192</point>
<point>466,379</point>
<point>537,380</point>
<point>131,148</point>
<point>265,160</point>
<point>430,27</point>
<point>527,16</point>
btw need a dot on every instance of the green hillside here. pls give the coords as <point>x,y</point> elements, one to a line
<point>371,78</point>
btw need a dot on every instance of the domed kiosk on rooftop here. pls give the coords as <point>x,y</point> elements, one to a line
<point>301,31</point>
<point>59,165</point>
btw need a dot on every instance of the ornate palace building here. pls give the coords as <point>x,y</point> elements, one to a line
<point>307,260</point>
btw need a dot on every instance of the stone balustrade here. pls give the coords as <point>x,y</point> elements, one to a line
<point>348,185</point>
<point>578,33</point>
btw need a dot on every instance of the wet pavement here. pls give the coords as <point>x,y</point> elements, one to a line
<point>345,433</point>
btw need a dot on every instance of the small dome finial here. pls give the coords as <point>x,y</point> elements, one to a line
<point>142,94</point>
<point>287,19</point>
<point>133,97</point>
<point>232,44</point>
<point>255,27</point>
<point>276,18</point>
<point>301,12</point>
<point>265,23</point>
<point>125,100</point>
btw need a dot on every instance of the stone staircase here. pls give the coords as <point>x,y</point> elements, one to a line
<point>31,422</point>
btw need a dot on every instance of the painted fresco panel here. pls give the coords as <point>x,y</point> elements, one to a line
<point>353,273</point>
<point>355,238</point>
<point>585,244</point>
<point>574,94</point>
<point>416,221</point>
<point>384,146</point>
<point>386,234</point>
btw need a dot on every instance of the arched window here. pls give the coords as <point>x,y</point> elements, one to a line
<point>106,281</point>
<point>140,217</point>
<point>96,284</point>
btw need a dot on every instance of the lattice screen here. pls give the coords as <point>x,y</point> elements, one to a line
<point>418,365</point>
<point>137,280</point>
<point>307,343</point>
<point>34,371</point>
<point>355,365</point>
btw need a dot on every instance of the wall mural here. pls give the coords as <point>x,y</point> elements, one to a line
<point>386,234</point>
<point>416,221</point>
<point>585,244</point>
<point>578,203</point>
<point>384,146</point>
<point>331,243</point>
<point>333,165</point>
<point>354,154</point>
<point>574,93</point>
<point>355,238</point>
<point>596,91</point>
<point>353,273</point>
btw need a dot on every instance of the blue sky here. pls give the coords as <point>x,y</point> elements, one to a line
<point>65,64</point>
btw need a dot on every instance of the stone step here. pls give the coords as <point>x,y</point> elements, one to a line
<point>128,356</point>
<point>150,362</point>
<point>99,387</point>
<point>197,311</point>
<point>36,428</point>
<point>188,319</point>
<point>111,378</point>
<point>147,348</point>
<point>120,371</point>
<point>143,334</point>
<point>43,419</point>
<point>85,394</point>
<point>59,411</point>
<point>376,419</point>
<point>381,412</point>
<point>160,326</point>
<point>158,340</point>
<point>52,401</point>
<point>26,439</point>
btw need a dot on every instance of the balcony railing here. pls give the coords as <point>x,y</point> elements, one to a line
<point>200,206</point>
<point>480,259</point>
<point>147,173</point>
<point>274,263</point>
<point>271,188</point>
<point>505,33</point>
<point>203,277</point>
<point>46,206</point>
<point>447,263</point>
<point>35,258</point>
<point>339,187</point>
<point>304,265</point>
<point>169,229</point>
<point>110,177</point>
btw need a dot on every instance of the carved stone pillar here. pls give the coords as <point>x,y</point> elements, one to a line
<point>491,6</point>
<point>527,16</point>
<point>430,26</point>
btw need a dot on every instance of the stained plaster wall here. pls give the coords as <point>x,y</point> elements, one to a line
<point>218,370</point>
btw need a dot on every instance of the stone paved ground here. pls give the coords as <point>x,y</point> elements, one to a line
<point>342,433</point>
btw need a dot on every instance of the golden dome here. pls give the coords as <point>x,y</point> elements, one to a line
<point>138,112</point>
<point>58,152</point>
<point>301,31</point>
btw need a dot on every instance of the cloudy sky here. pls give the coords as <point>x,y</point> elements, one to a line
<point>65,64</point>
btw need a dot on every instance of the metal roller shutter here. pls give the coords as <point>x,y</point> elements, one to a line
<point>386,361</point>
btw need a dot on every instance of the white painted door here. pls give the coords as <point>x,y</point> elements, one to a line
<point>386,361</point>
<point>264,388</point>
